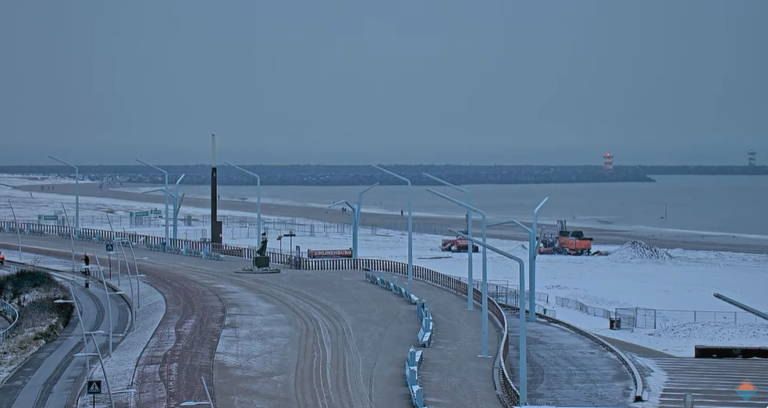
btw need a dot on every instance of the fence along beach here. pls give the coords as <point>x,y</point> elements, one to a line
<point>432,224</point>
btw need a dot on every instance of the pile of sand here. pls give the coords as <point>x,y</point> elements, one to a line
<point>639,250</point>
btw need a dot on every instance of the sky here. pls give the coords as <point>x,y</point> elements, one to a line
<point>392,82</point>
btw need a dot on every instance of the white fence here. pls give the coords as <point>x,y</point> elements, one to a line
<point>646,318</point>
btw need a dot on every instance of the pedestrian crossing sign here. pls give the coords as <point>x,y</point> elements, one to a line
<point>110,247</point>
<point>94,387</point>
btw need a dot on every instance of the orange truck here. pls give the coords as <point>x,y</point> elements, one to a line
<point>566,243</point>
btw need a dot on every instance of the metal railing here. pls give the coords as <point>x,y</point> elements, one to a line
<point>646,318</point>
<point>13,317</point>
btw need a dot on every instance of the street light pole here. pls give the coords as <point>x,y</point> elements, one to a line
<point>521,304</point>
<point>103,369</point>
<point>77,193</point>
<point>470,273</point>
<point>533,253</point>
<point>410,218</point>
<point>485,267</point>
<point>115,240</point>
<point>356,211</point>
<point>258,196</point>
<point>71,238</point>
<point>18,230</point>
<point>167,225</point>
<point>109,301</point>
<point>82,326</point>
<point>136,269</point>
<point>176,208</point>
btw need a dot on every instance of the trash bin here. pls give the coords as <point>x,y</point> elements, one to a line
<point>614,323</point>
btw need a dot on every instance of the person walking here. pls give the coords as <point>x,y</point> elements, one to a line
<point>87,261</point>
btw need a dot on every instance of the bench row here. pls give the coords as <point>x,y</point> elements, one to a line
<point>413,361</point>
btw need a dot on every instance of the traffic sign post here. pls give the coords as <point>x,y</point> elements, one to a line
<point>93,387</point>
<point>110,247</point>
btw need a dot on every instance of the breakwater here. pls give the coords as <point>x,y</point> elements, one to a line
<point>326,175</point>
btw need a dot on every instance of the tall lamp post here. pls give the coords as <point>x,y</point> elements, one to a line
<point>521,304</point>
<point>258,196</point>
<point>485,267</point>
<point>356,210</point>
<point>77,193</point>
<point>18,231</point>
<point>410,218</point>
<point>71,238</point>
<point>109,301</point>
<point>534,253</point>
<point>167,225</point>
<point>80,319</point>
<point>176,203</point>
<point>470,273</point>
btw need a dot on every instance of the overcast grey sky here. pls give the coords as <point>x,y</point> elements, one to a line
<point>396,81</point>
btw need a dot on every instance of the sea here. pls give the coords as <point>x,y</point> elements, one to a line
<point>727,205</point>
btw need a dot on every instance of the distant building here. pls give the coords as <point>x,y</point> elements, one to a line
<point>607,161</point>
<point>751,157</point>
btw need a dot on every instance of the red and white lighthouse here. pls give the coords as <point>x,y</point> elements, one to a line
<point>607,161</point>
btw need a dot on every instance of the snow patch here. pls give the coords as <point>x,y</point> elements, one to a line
<point>119,368</point>
<point>680,340</point>
<point>639,250</point>
<point>654,381</point>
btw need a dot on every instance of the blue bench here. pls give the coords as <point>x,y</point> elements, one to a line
<point>412,377</point>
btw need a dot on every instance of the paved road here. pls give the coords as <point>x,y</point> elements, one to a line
<point>452,374</point>
<point>303,339</point>
<point>567,369</point>
<point>52,376</point>
<point>182,348</point>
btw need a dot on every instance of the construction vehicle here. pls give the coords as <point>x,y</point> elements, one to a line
<point>565,242</point>
<point>457,245</point>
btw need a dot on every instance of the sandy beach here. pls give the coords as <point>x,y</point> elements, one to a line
<point>663,239</point>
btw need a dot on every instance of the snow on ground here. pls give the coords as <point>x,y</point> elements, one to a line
<point>120,368</point>
<point>125,357</point>
<point>633,276</point>
<point>655,381</point>
<point>30,180</point>
<point>41,260</point>
<point>638,250</point>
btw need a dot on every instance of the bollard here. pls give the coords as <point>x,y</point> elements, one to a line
<point>87,284</point>
<point>688,400</point>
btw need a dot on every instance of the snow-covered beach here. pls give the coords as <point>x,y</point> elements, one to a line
<point>677,284</point>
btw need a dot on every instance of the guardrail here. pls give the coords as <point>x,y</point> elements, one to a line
<point>507,392</point>
<point>413,361</point>
<point>13,317</point>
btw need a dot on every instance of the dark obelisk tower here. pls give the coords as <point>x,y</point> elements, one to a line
<point>215,223</point>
